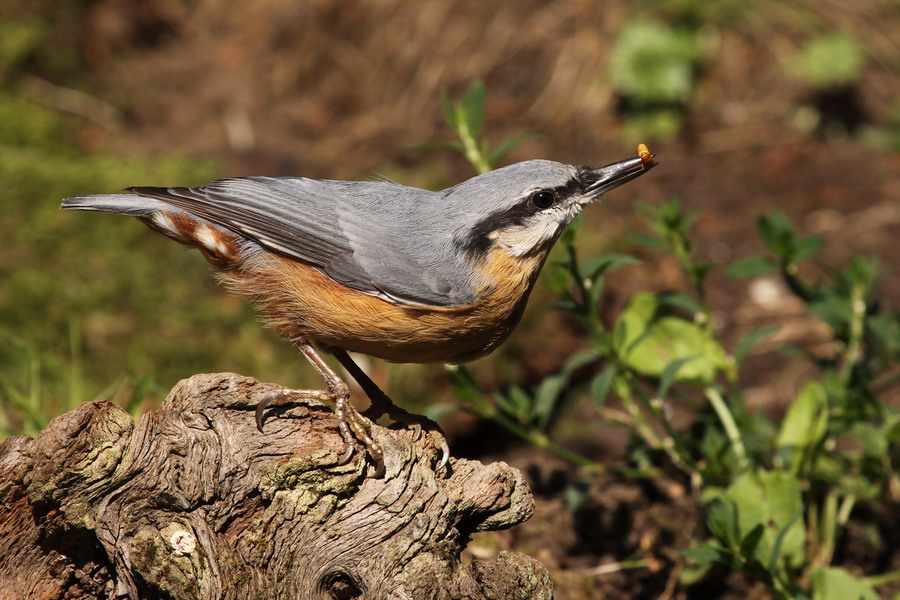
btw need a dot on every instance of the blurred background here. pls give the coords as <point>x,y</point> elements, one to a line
<point>749,105</point>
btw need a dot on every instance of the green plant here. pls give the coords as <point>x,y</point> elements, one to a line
<point>466,117</point>
<point>835,58</point>
<point>652,67</point>
<point>27,406</point>
<point>777,496</point>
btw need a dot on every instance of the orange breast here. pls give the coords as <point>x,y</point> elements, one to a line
<point>301,302</point>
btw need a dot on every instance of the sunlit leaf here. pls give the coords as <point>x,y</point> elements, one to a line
<point>834,583</point>
<point>751,266</point>
<point>473,106</point>
<point>804,425</point>
<point>648,343</point>
<point>831,59</point>
<point>653,62</point>
<point>770,499</point>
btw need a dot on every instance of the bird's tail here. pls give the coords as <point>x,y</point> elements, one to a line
<point>122,204</point>
<point>221,246</point>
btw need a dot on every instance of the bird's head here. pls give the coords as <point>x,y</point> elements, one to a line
<point>523,208</point>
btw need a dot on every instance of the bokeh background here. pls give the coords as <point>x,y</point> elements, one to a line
<point>749,105</point>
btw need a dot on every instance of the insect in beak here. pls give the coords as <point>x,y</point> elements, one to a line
<point>603,179</point>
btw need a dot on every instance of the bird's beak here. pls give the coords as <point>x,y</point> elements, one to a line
<point>602,179</point>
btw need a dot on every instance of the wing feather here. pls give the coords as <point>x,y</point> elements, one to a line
<point>349,230</point>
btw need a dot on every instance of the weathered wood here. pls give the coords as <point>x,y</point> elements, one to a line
<point>193,502</point>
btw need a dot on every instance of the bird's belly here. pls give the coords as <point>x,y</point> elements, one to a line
<point>302,303</point>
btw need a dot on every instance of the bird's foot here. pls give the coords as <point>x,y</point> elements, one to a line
<point>383,405</point>
<point>353,425</point>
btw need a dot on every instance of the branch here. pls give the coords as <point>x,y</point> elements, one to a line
<point>193,502</point>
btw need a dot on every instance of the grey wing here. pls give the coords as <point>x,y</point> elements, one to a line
<point>340,227</point>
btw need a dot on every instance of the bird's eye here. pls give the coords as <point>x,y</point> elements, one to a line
<point>543,199</point>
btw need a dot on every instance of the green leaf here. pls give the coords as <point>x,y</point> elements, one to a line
<point>751,266</point>
<point>834,583</point>
<point>580,359</point>
<point>777,232</point>
<point>516,403</point>
<point>648,343</point>
<point>646,239</point>
<point>500,151</point>
<point>701,269</point>
<point>521,403</point>
<point>779,540</point>
<point>669,374</point>
<point>449,110</point>
<point>892,430</point>
<point>473,107</point>
<point>652,62</point>
<point>567,305</point>
<point>722,520</point>
<point>601,383</point>
<point>708,553</point>
<point>808,247</point>
<point>770,499</point>
<point>600,265</point>
<point>681,300</point>
<point>834,309</point>
<point>751,541</point>
<point>873,439</point>
<point>804,426</point>
<point>546,397</point>
<point>18,37</point>
<point>749,341</point>
<point>835,58</point>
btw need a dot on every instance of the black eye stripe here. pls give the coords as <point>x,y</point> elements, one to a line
<point>478,241</point>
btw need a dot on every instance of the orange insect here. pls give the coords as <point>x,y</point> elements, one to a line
<point>644,153</point>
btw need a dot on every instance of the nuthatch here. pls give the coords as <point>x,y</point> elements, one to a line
<point>395,272</point>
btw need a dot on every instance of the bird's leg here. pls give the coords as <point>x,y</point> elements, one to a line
<point>382,404</point>
<point>353,425</point>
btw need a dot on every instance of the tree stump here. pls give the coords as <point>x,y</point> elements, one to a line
<point>193,502</point>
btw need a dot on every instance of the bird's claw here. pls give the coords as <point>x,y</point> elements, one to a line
<point>347,456</point>
<point>261,411</point>
<point>441,442</point>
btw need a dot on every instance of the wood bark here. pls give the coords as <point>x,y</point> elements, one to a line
<point>193,502</point>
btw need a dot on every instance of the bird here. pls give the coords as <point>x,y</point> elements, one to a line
<point>376,267</point>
